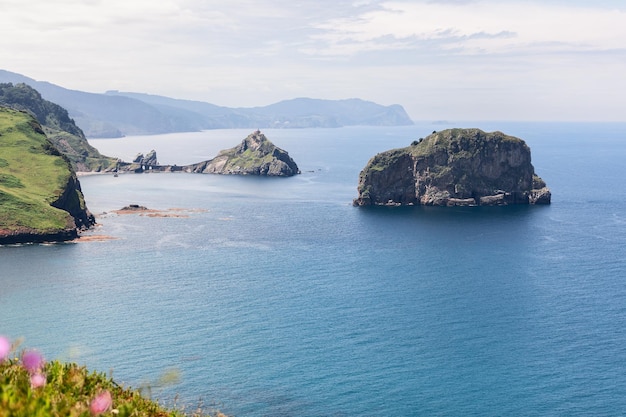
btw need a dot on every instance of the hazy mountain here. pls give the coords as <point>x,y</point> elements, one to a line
<point>115,113</point>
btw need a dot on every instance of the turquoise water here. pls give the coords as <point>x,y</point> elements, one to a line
<point>277,297</point>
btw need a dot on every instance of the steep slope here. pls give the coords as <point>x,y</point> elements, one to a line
<point>255,155</point>
<point>40,196</point>
<point>58,126</point>
<point>454,167</point>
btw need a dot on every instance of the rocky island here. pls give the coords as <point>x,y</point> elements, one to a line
<point>60,129</point>
<point>454,167</point>
<point>255,155</point>
<point>40,195</point>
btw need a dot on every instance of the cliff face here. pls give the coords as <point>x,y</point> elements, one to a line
<point>72,201</point>
<point>40,196</point>
<point>454,167</point>
<point>255,155</point>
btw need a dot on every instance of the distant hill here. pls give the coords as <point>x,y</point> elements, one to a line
<point>115,113</point>
<point>57,125</point>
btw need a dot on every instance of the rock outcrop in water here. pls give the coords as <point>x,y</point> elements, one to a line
<point>455,167</point>
<point>150,159</point>
<point>255,155</point>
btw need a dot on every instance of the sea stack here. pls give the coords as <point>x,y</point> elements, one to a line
<point>454,167</point>
<point>255,155</point>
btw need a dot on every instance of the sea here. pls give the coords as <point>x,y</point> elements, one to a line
<point>277,297</point>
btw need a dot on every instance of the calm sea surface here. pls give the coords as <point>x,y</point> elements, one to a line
<point>276,297</point>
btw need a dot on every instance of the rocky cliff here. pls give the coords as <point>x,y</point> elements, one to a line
<point>40,195</point>
<point>255,155</point>
<point>455,167</point>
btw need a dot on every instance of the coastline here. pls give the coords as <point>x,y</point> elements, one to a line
<point>20,238</point>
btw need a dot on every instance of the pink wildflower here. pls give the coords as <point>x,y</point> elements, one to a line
<point>101,403</point>
<point>37,380</point>
<point>5,348</point>
<point>32,361</point>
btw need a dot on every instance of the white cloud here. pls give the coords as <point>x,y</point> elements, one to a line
<point>516,59</point>
<point>479,27</point>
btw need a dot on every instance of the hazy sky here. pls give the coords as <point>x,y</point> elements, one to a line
<point>440,59</point>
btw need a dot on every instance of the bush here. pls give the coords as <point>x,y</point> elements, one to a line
<point>32,387</point>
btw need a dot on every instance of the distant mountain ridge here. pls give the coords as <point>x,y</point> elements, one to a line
<point>115,114</point>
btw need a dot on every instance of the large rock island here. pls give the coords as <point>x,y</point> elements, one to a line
<point>60,129</point>
<point>40,196</point>
<point>454,167</point>
<point>255,155</point>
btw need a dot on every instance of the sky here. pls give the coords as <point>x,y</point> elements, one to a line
<point>448,60</point>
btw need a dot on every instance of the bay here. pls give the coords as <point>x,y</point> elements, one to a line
<point>276,297</point>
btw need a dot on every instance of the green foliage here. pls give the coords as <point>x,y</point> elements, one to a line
<point>68,392</point>
<point>10,181</point>
<point>249,159</point>
<point>384,160</point>
<point>32,175</point>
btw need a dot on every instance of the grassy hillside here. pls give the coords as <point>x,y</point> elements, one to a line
<point>58,126</point>
<point>32,175</point>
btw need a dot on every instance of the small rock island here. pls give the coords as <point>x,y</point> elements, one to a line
<point>255,155</point>
<point>454,167</point>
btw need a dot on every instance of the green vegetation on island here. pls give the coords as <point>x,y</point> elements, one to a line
<point>255,155</point>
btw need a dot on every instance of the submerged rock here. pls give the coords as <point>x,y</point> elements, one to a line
<point>454,167</point>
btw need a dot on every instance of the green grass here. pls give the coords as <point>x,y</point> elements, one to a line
<point>385,159</point>
<point>32,175</point>
<point>248,159</point>
<point>68,391</point>
<point>462,142</point>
